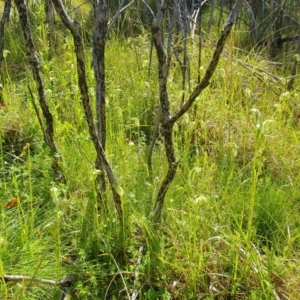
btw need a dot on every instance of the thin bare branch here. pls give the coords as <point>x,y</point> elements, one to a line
<point>115,17</point>
<point>35,66</point>
<point>151,11</point>
<point>66,281</point>
<point>167,121</point>
<point>99,42</point>
<point>74,28</point>
<point>37,112</point>
<point>65,284</point>
<point>213,63</point>
<point>166,125</point>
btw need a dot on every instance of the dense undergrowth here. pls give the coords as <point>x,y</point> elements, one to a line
<point>230,228</point>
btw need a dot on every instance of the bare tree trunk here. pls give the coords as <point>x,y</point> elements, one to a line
<point>167,121</point>
<point>99,41</point>
<point>35,66</point>
<point>50,21</point>
<point>4,19</point>
<point>167,127</point>
<point>75,30</point>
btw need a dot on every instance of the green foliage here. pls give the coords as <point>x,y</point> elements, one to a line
<point>230,225</point>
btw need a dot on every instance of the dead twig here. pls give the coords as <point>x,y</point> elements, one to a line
<point>65,284</point>
<point>66,281</point>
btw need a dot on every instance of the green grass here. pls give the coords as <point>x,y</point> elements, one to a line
<point>230,224</point>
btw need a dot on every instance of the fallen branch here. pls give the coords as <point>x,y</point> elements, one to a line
<point>65,284</point>
<point>67,281</point>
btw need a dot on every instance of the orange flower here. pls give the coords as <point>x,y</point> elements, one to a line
<point>12,202</point>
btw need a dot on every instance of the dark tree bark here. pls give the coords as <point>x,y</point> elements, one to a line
<point>74,28</point>
<point>167,121</point>
<point>4,19</point>
<point>35,66</point>
<point>166,126</point>
<point>99,41</point>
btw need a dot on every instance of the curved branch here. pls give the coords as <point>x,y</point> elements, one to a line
<point>166,126</point>
<point>115,17</point>
<point>213,63</point>
<point>74,28</point>
<point>35,66</point>
<point>167,121</point>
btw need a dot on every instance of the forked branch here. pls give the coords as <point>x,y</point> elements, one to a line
<point>166,125</point>
<point>75,30</point>
<point>213,63</point>
<point>167,121</point>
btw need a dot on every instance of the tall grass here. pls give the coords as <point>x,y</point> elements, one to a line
<point>230,226</point>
